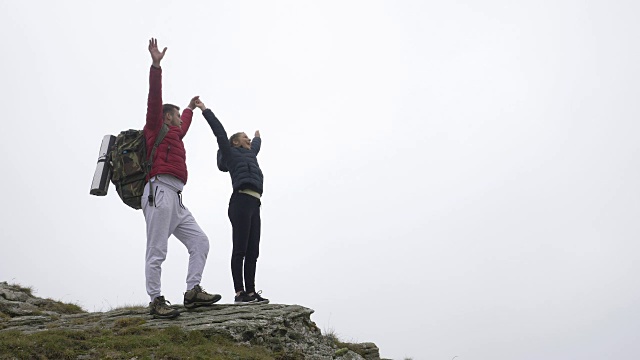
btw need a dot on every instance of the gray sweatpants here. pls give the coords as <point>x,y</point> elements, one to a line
<point>165,217</point>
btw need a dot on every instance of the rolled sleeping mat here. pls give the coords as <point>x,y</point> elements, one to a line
<point>102,176</point>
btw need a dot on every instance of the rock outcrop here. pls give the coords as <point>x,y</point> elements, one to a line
<point>281,328</point>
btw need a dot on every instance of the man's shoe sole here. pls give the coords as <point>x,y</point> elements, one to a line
<point>192,305</point>
<point>165,317</point>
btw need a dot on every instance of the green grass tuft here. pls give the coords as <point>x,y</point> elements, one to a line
<point>342,346</point>
<point>24,289</point>
<point>61,308</point>
<point>332,335</point>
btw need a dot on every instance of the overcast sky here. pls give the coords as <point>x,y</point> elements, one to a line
<point>453,178</point>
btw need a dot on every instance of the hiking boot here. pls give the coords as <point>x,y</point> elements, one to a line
<point>160,309</point>
<point>244,299</point>
<point>259,299</point>
<point>198,297</point>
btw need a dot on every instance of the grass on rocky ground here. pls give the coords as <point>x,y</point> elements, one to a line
<point>129,340</point>
<point>342,346</point>
<point>126,340</point>
<point>48,305</point>
<point>25,289</point>
<point>61,308</point>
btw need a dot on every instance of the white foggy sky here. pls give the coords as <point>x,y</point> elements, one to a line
<point>441,178</point>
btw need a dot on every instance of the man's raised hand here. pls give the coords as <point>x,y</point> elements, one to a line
<point>257,134</point>
<point>156,55</point>
<point>192,103</point>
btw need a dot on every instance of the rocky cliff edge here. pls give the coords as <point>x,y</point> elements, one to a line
<point>281,328</point>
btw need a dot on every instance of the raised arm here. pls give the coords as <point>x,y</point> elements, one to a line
<point>256,143</point>
<point>217,128</point>
<point>187,115</point>
<point>154,101</point>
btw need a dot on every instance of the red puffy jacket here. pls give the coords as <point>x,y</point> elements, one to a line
<point>171,157</point>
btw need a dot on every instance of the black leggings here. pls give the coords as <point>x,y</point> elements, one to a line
<point>244,213</point>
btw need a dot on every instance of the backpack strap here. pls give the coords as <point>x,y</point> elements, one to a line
<point>163,131</point>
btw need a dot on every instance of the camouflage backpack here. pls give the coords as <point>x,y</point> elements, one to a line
<point>128,158</point>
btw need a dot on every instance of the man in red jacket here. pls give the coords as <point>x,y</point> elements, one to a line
<point>162,205</point>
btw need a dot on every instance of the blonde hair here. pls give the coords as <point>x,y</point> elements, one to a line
<point>234,137</point>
